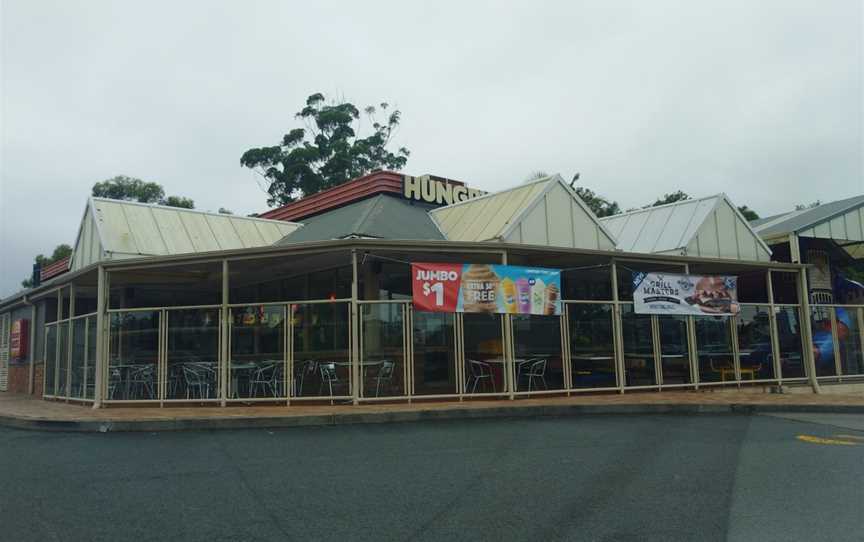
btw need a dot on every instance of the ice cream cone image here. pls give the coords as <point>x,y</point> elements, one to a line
<point>479,289</point>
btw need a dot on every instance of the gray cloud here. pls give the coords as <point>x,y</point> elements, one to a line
<point>760,100</point>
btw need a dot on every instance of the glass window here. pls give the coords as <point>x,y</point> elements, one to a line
<point>537,344</point>
<point>50,359</point>
<point>592,351</point>
<point>85,299</point>
<point>434,353</point>
<point>785,287</point>
<point>383,355</point>
<point>66,301</point>
<point>714,349</point>
<point>90,360</point>
<point>50,303</point>
<point>133,355</point>
<point>823,341</point>
<point>170,286</point>
<point>638,348</point>
<point>193,354</point>
<point>754,343</point>
<point>321,354</point>
<point>752,286</point>
<point>592,283</point>
<point>257,352</point>
<point>79,338</point>
<point>63,366</point>
<point>290,278</point>
<point>381,279</point>
<point>674,349</point>
<point>849,338</point>
<point>484,353</point>
<point>789,337</point>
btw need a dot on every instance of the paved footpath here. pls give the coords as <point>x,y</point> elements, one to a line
<point>32,413</point>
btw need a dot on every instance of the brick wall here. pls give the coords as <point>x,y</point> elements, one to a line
<point>19,377</point>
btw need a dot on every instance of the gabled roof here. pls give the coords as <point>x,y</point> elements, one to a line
<point>381,216</point>
<point>112,229</point>
<point>711,227</point>
<point>544,212</point>
<point>799,222</point>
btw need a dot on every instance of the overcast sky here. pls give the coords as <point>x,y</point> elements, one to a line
<point>761,100</point>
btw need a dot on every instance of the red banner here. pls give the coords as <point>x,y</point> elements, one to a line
<point>435,286</point>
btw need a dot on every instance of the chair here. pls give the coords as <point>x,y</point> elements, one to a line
<point>536,371</point>
<point>265,378</point>
<point>385,375</point>
<point>141,382</point>
<point>196,382</point>
<point>480,372</point>
<point>328,377</point>
<point>308,367</point>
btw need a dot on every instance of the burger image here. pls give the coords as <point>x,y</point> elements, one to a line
<point>712,297</point>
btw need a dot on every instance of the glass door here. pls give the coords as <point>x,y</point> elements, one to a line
<point>433,348</point>
<point>674,349</point>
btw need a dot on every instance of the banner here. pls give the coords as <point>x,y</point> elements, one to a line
<point>663,293</point>
<point>505,289</point>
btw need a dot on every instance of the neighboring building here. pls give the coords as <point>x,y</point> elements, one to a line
<point>313,301</point>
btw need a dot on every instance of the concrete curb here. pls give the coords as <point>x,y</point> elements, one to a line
<point>406,416</point>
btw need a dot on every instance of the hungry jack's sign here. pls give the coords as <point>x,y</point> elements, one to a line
<point>436,191</point>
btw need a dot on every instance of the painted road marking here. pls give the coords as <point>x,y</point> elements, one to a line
<point>853,437</point>
<point>820,440</point>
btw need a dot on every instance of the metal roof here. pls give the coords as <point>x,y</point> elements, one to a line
<point>381,216</point>
<point>799,222</point>
<point>112,229</point>
<point>683,226</point>
<point>543,212</point>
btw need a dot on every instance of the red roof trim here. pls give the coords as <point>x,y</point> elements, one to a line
<point>375,183</point>
<point>57,268</point>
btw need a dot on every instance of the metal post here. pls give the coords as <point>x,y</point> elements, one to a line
<point>618,332</point>
<point>32,347</point>
<point>775,337</point>
<point>807,328</point>
<point>355,331</point>
<point>101,322</point>
<point>69,335</point>
<point>224,353</point>
<point>509,376</point>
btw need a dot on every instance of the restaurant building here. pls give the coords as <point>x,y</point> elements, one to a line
<point>400,288</point>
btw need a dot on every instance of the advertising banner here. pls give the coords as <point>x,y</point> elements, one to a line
<point>19,339</point>
<point>504,289</point>
<point>664,293</point>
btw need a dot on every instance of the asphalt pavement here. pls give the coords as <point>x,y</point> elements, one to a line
<point>615,477</point>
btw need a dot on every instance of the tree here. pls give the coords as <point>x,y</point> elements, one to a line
<point>328,151</point>
<point>224,211</point>
<point>60,252</point>
<point>598,204</point>
<point>748,213</point>
<point>671,198</point>
<point>803,206</point>
<point>122,187</point>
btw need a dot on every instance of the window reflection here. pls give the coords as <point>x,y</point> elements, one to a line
<point>322,360</point>
<point>383,359</point>
<point>192,354</point>
<point>714,349</point>
<point>50,359</point>
<point>434,353</point>
<point>63,366</point>
<point>849,339</point>
<point>538,362</point>
<point>592,356</point>
<point>754,343</point>
<point>79,337</point>
<point>257,352</point>
<point>133,356</point>
<point>674,349</point>
<point>789,339</point>
<point>823,341</point>
<point>638,348</point>
<point>484,353</point>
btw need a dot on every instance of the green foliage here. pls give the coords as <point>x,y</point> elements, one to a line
<point>224,211</point>
<point>178,201</point>
<point>748,213</point>
<point>598,204</point>
<point>676,196</point>
<point>122,187</point>
<point>803,206</point>
<point>60,252</point>
<point>327,152</point>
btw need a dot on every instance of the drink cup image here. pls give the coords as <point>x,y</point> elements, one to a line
<point>551,299</point>
<point>479,289</point>
<point>508,297</point>
<point>523,293</point>
<point>538,296</point>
